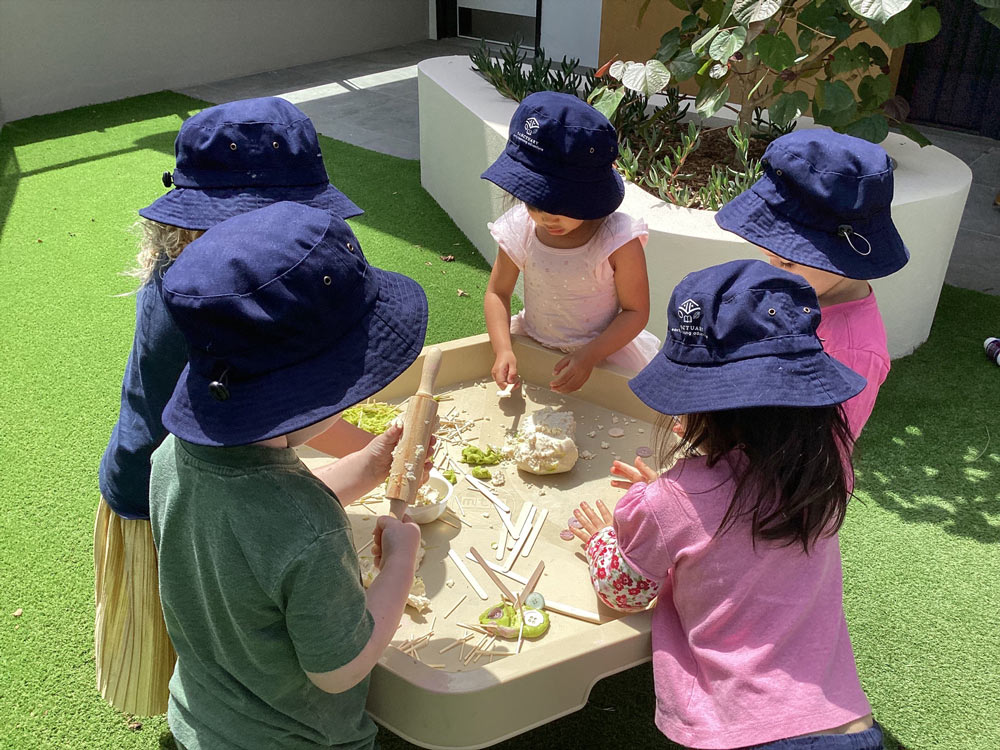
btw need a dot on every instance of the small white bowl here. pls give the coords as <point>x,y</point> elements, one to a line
<point>432,512</point>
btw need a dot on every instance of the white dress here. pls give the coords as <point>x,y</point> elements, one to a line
<point>569,294</point>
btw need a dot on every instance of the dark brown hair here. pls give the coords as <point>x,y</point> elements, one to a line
<point>794,485</point>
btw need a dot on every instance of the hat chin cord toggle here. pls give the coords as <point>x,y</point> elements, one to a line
<point>218,388</point>
<point>847,231</point>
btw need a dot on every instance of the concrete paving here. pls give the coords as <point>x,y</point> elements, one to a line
<point>370,100</point>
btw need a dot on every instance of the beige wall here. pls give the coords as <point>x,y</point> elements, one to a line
<point>56,54</point>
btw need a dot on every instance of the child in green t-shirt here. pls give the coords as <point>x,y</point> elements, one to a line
<point>287,325</point>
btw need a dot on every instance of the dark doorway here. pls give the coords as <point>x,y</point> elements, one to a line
<point>954,79</point>
<point>493,20</point>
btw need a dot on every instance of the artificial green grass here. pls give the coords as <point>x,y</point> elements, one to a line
<point>921,554</point>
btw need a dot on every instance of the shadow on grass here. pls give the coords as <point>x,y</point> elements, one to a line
<point>931,451</point>
<point>90,119</point>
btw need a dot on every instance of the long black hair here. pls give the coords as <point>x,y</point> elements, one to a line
<point>796,479</point>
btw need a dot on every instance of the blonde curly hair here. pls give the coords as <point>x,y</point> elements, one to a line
<point>159,246</point>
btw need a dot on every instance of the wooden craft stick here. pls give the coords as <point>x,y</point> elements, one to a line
<point>485,491</point>
<point>530,585</point>
<point>456,642</point>
<point>475,649</point>
<point>482,650</point>
<point>474,628</point>
<point>522,519</point>
<point>502,542</point>
<point>534,532</point>
<point>454,525</point>
<point>467,573</point>
<point>520,635</point>
<point>550,604</point>
<point>366,545</point>
<point>496,579</point>
<point>456,605</point>
<point>520,544</point>
<point>505,517</point>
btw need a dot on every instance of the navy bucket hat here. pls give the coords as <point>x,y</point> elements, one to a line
<point>560,158</point>
<point>743,334</point>
<point>286,324</point>
<point>243,155</point>
<point>823,201</point>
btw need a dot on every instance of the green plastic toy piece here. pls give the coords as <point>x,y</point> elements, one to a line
<point>506,621</point>
<point>475,456</point>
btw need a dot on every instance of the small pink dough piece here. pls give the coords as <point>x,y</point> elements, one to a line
<point>644,451</point>
<point>567,535</point>
<point>574,524</point>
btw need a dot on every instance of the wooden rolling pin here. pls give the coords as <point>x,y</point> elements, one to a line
<point>411,452</point>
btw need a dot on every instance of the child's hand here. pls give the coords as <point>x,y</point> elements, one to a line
<point>591,522</point>
<point>379,454</point>
<point>571,372</point>
<point>640,472</point>
<point>505,369</point>
<point>396,542</point>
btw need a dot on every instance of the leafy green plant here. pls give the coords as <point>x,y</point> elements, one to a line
<point>509,76</point>
<point>654,146</point>
<point>790,58</point>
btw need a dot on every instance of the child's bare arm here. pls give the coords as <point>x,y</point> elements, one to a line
<point>632,285</point>
<point>496,306</point>
<point>396,544</point>
<point>342,438</point>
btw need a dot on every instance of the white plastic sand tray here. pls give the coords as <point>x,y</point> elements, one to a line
<point>443,685</point>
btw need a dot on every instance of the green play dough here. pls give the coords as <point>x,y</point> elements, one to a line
<point>475,456</point>
<point>507,621</point>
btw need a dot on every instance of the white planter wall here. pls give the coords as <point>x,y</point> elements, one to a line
<point>56,54</point>
<point>463,128</point>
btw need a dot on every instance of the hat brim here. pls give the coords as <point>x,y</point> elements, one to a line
<point>816,380</point>
<point>374,353</point>
<point>556,195</point>
<point>750,216</point>
<point>191,208</point>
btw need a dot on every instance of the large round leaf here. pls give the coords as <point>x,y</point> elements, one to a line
<point>727,43</point>
<point>873,128</point>
<point>647,79</point>
<point>606,100</point>
<point>711,99</point>
<point>776,51</point>
<point>751,11</point>
<point>878,10</point>
<point>788,107</point>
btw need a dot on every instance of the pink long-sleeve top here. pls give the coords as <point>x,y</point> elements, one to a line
<point>853,333</point>
<point>750,645</point>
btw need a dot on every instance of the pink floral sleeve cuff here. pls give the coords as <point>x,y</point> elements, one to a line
<point>615,581</point>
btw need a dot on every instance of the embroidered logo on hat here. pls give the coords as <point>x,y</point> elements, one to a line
<point>689,311</point>
<point>530,125</point>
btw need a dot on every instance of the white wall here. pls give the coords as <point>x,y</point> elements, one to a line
<point>56,54</point>
<point>572,28</point>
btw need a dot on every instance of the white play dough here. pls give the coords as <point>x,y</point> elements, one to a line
<point>545,444</point>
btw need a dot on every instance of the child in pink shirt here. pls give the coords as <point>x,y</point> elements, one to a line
<point>737,542</point>
<point>822,210</point>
